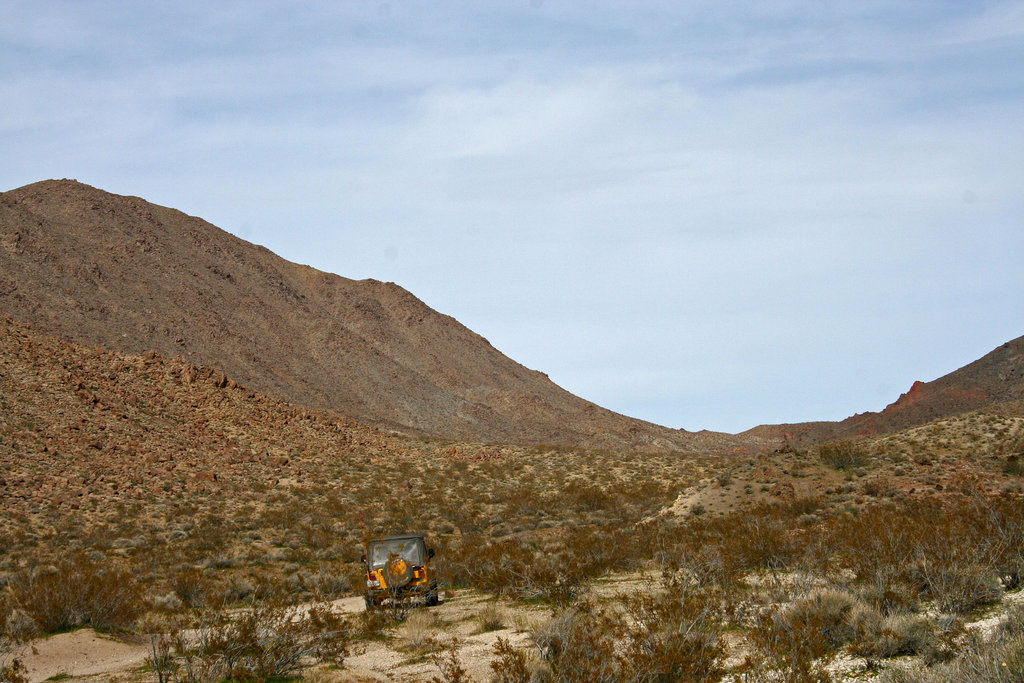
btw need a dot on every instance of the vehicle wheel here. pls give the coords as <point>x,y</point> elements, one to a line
<point>432,600</point>
<point>370,604</point>
<point>399,573</point>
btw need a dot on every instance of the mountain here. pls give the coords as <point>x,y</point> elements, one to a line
<point>997,377</point>
<point>117,272</point>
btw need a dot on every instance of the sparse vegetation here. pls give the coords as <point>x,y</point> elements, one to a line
<point>843,455</point>
<point>269,639</point>
<point>791,562</point>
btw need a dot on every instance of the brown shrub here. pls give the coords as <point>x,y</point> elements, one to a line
<point>796,642</point>
<point>450,666</point>
<point>511,665</point>
<point>674,635</point>
<point>191,586</point>
<point>16,629</point>
<point>270,639</point>
<point>78,591</point>
<point>829,611</point>
<point>579,644</point>
<point>515,569</point>
<point>927,548</point>
<point>670,635</point>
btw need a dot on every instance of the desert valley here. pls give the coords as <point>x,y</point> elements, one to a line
<point>197,438</point>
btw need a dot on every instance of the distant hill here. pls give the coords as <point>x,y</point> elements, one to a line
<point>997,377</point>
<point>117,272</point>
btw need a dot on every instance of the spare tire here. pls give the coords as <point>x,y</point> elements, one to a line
<point>399,573</point>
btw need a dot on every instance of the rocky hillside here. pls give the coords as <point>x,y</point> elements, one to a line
<point>93,439</point>
<point>117,272</point>
<point>82,427</point>
<point>997,377</point>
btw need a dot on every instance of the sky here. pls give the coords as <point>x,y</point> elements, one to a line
<point>706,214</point>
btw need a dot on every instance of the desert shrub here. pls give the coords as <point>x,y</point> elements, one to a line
<point>579,644</point>
<point>373,624</point>
<point>450,667</point>
<point>512,665</point>
<point>954,564</point>
<point>328,581</point>
<point>795,643</point>
<point>515,569</point>
<point>585,497</point>
<point>669,635</point>
<point>1013,466</point>
<point>905,634</point>
<point>928,549</point>
<point>270,639</point>
<point>236,588</point>
<point>16,629</point>
<point>674,635</point>
<point>785,650</point>
<point>1004,538</point>
<point>77,591</point>
<point>843,455</point>
<point>828,611</point>
<point>191,586</point>
<point>417,631</point>
<point>997,659</point>
<point>958,588</point>
<point>893,597</point>
<point>1012,624</point>
<point>490,618</point>
<point>761,539</point>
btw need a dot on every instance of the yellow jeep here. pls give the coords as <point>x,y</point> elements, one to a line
<point>398,569</point>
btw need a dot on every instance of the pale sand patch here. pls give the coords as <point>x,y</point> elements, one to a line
<point>83,653</point>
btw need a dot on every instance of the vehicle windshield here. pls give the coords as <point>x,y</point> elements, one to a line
<point>409,549</point>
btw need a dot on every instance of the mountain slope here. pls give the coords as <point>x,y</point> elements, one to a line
<point>997,377</point>
<point>118,272</point>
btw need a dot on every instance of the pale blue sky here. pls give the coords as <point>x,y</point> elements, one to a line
<point>705,214</point>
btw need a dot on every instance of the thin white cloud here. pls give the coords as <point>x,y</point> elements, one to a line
<point>707,214</point>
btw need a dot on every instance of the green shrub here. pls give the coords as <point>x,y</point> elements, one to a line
<point>898,635</point>
<point>843,455</point>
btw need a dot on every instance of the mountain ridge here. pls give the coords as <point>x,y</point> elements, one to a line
<point>118,272</point>
<point>996,377</point>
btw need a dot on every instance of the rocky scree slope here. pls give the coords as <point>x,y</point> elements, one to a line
<point>118,272</point>
<point>86,429</point>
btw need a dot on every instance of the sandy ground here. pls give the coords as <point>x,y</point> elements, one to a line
<point>83,653</point>
<point>87,655</point>
<point>406,656</point>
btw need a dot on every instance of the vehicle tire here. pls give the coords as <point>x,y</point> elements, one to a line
<point>399,573</point>
<point>370,604</point>
<point>432,600</point>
